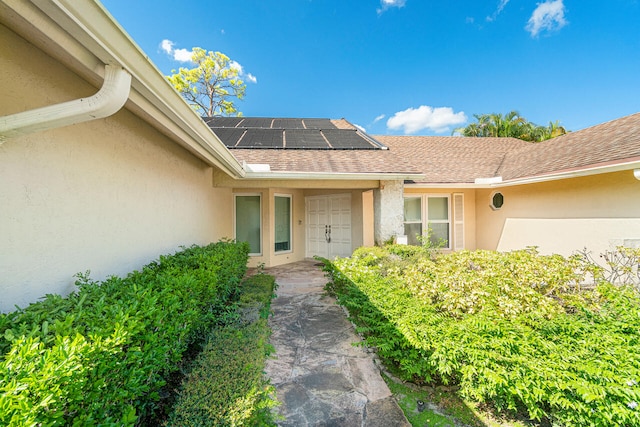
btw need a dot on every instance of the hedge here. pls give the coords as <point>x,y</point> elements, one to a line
<point>511,330</point>
<point>102,355</point>
<point>226,386</point>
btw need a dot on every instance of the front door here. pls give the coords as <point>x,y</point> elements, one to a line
<point>329,225</point>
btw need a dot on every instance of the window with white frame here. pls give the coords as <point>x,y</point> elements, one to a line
<point>422,213</point>
<point>413,219</point>
<point>248,221</point>
<point>438,221</point>
<point>282,220</point>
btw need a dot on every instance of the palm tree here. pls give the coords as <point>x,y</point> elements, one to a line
<point>512,125</point>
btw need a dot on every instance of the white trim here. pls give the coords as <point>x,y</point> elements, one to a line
<point>235,196</point>
<point>345,176</point>
<point>458,221</point>
<point>596,170</point>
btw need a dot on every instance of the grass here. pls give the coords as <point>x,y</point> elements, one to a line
<point>442,407</point>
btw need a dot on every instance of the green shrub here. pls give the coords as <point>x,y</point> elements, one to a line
<point>124,338</point>
<point>226,386</point>
<point>510,330</point>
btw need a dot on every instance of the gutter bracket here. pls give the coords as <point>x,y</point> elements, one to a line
<point>107,101</point>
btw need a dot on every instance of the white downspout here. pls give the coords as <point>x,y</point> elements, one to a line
<point>107,101</point>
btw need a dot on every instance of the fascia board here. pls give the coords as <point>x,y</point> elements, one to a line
<point>597,170</point>
<point>576,173</point>
<point>328,176</point>
<point>86,36</point>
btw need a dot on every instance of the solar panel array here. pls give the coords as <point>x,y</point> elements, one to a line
<point>296,134</point>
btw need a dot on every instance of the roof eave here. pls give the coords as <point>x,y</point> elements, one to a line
<point>84,36</point>
<point>333,176</point>
<point>574,173</point>
<point>566,174</point>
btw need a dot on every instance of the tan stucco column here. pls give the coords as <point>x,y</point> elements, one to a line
<point>388,210</point>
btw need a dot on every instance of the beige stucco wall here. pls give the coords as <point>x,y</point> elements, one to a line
<point>562,216</point>
<point>108,195</point>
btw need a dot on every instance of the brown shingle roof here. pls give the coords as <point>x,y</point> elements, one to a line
<point>451,160</point>
<point>448,159</point>
<point>328,161</point>
<point>613,142</point>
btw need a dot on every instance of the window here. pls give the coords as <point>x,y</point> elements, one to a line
<point>413,219</point>
<point>438,220</point>
<point>437,214</point>
<point>497,200</point>
<point>248,225</point>
<point>282,219</point>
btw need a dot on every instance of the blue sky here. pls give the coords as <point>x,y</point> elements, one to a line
<point>420,67</point>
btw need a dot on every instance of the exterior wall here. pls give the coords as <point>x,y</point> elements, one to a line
<point>367,219</point>
<point>469,208</point>
<point>108,195</point>
<point>563,216</point>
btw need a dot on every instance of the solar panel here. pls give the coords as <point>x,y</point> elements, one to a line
<point>256,122</point>
<point>344,139</point>
<point>319,124</point>
<point>288,124</point>
<point>262,138</point>
<point>304,139</point>
<point>223,122</point>
<point>229,136</point>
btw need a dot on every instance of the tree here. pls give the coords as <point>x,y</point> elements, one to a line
<point>512,125</point>
<point>211,85</point>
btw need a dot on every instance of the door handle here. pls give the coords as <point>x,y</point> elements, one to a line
<point>327,233</point>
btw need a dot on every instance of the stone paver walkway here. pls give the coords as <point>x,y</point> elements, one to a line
<point>321,379</point>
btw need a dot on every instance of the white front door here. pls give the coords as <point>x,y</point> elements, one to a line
<point>329,225</point>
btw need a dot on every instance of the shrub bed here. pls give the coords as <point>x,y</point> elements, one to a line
<point>103,354</point>
<point>512,330</point>
<point>226,386</point>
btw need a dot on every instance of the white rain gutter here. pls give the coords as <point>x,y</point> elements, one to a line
<point>107,101</point>
<point>497,182</point>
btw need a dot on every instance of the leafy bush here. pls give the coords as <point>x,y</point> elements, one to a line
<point>226,386</point>
<point>103,354</point>
<point>511,330</point>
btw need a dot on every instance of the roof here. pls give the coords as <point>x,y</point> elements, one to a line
<point>606,144</point>
<point>449,159</point>
<point>440,160</point>
<point>308,146</point>
<point>464,160</point>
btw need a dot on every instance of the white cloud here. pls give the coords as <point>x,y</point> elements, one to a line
<point>387,4</point>
<point>167,46</point>
<point>380,117</point>
<point>501,5</point>
<point>548,16</point>
<point>438,119</point>
<point>180,55</point>
<point>252,78</point>
<point>362,129</point>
